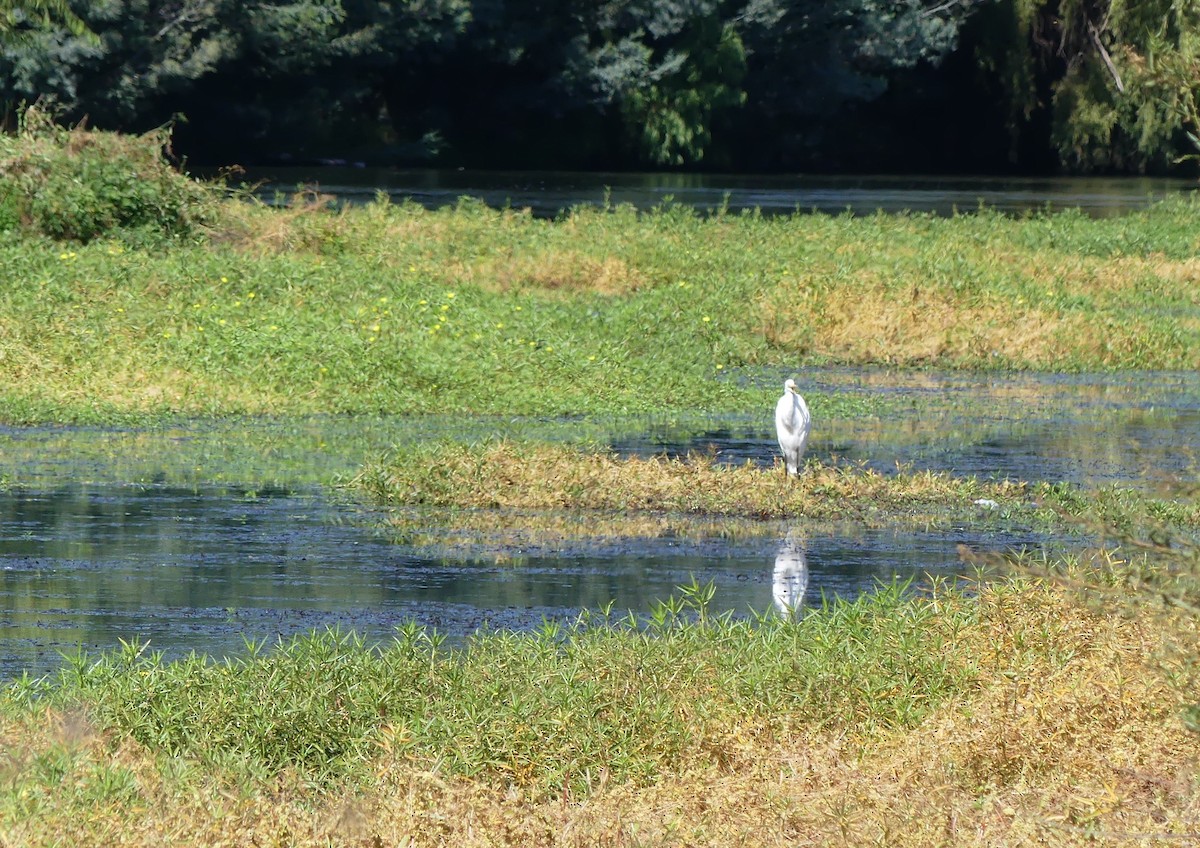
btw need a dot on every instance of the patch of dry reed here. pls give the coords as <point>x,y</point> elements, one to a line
<point>518,476</point>
<point>877,302</point>
<point>562,271</point>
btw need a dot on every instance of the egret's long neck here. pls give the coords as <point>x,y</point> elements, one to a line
<point>799,410</point>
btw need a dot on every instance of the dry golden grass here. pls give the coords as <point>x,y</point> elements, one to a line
<point>549,271</point>
<point>873,301</point>
<point>926,325</point>
<point>1070,737</point>
<point>519,476</point>
<point>305,223</point>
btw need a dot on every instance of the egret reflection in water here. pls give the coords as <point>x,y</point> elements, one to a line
<point>790,578</point>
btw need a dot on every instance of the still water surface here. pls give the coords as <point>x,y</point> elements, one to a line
<point>200,535</point>
<point>548,194</point>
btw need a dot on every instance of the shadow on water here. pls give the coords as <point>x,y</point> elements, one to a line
<point>199,536</point>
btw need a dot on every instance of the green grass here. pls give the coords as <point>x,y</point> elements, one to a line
<point>926,717</point>
<point>1007,711</point>
<point>399,310</point>
<point>543,709</point>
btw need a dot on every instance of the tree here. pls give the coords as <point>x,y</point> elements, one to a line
<point>250,77</point>
<point>18,18</point>
<point>145,52</point>
<point>669,110</point>
<point>1111,84</point>
<point>1127,100</point>
<point>812,63</point>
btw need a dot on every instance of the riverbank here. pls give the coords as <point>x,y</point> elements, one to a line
<point>397,309</point>
<point>1017,714</point>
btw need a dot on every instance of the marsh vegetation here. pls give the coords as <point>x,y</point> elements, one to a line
<point>477,311</point>
<point>1012,712</point>
<point>1050,700</point>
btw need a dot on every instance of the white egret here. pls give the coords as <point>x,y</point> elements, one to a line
<point>792,424</point>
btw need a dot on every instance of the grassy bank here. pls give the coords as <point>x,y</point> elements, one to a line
<point>1017,715</point>
<point>397,309</point>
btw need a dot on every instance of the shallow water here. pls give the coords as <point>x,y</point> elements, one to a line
<point>200,536</point>
<point>197,569</point>
<point>1140,430</point>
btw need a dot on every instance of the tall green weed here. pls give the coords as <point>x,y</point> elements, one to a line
<point>76,184</point>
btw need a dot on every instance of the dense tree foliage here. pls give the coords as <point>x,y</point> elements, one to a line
<point>1101,85</point>
<point>1127,100</point>
<point>869,85</point>
<point>18,18</point>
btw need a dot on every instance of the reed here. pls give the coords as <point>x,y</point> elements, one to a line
<point>517,475</point>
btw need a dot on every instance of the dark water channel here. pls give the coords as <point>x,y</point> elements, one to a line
<point>548,193</point>
<point>199,536</point>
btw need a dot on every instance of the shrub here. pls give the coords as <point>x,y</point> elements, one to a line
<point>78,184</point>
